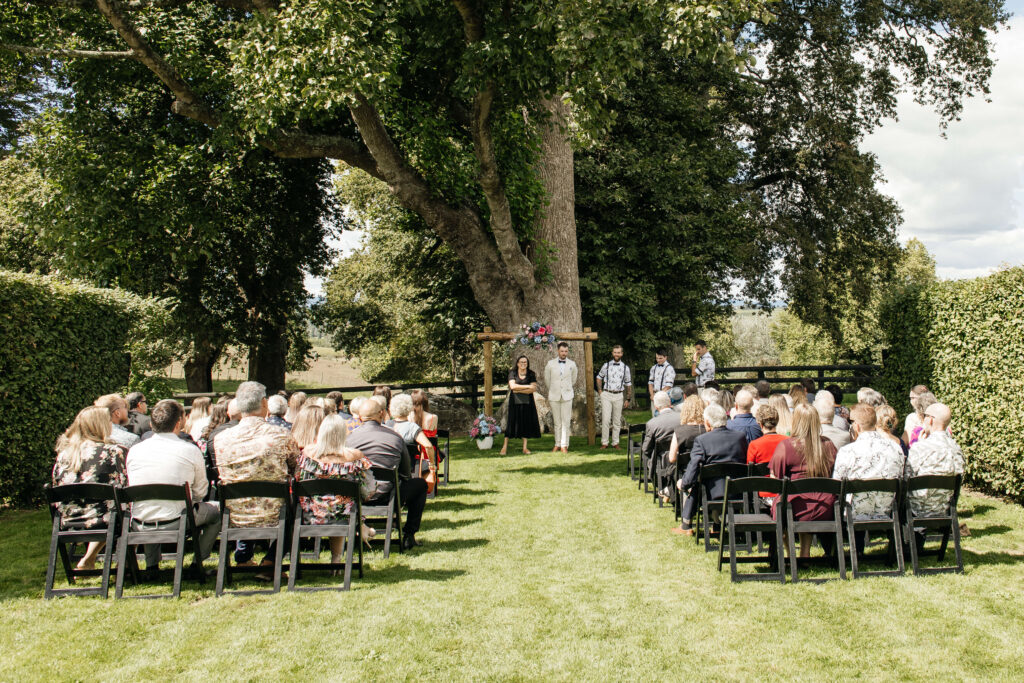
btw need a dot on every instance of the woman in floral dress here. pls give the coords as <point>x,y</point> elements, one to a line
<point>328,458</point>
<point>85,456</point>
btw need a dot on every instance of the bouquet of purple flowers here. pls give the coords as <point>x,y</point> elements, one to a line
<point>537,335</point>
<point>484,426</point>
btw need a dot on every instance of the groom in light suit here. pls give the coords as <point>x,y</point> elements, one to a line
<point>560,376</point>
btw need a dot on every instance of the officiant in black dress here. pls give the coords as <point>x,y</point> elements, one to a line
<point>522,410</point>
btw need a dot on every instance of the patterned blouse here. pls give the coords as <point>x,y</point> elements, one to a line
<point>333,509</point>
<point>101,464</point>
<point>872,456</point>
<point>254,451</point>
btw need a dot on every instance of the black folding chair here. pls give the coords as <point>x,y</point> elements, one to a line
<point>251,489</point>
<point>682,461</point>
<point>389,511</point>
<point>759,470</point>
<point>707,508</point>
<point>444,454</point>
<point>834,526</point>
<point>63,539</point>
<point>754,522</point>
<point>349,530</point>
<point>633,446</point>
<point>947,523</point>
<point>177,530</point>
<point>889,524</point>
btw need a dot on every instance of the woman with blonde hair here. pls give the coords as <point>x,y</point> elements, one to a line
<point>785,423</point>
<point>198,417</point>
<point>329,458</point>
<point>797,395</point>
<point>691,425</point>
<point>295,403</point>
<point>885,422</point>
<point>84,455</point>
<point>306,425</point>
<point>806,454</point>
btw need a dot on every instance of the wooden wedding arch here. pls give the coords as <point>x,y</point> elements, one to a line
<point>489,336</point>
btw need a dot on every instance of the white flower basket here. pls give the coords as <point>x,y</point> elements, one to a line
<point>485,443</point>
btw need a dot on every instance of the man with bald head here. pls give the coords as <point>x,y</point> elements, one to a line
<point>744,421</point>
<point>871,455</point>
<point>936,453</point>
<point>384,447</point>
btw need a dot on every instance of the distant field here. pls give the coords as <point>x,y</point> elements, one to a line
<point>331,369</point>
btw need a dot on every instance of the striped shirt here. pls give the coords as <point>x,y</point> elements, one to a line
<point>616,376</point>
<point>663,376</point>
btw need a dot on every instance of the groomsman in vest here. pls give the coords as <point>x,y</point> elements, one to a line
<point>560,376</point>
<point>662,377</point>
<point>614,383</point>
<point>703,368</point>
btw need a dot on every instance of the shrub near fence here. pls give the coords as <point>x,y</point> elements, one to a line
<point>61,346</point>
<point>965,340</point>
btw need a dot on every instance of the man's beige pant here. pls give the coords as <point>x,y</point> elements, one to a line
<point>561,416</point>
<point>611,417</point>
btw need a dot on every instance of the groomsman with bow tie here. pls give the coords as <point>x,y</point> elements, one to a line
<point>614,383</point>
<point>560,376</point>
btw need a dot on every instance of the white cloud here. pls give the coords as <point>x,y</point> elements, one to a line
<point>346,243</point>
<point>962,195</point>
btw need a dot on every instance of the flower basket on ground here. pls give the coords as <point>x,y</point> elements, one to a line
<point>484,430</point>
<point>536,336</point>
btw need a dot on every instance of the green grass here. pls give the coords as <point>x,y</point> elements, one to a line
<point>536,567</point>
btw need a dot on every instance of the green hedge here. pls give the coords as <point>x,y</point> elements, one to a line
<point>61,346</point>
<point>965,340</point>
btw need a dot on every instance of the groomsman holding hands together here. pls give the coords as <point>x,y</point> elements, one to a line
<point>560,376</point>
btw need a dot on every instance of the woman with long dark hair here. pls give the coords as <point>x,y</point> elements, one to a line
<point>522,410</point>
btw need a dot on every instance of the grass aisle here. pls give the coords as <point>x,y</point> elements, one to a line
<point>546,566</point>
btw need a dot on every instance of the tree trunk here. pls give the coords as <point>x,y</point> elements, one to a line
<point>199,368</point>
<point>268,358</point>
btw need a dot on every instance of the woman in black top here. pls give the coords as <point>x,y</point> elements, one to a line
<point>522,411</point>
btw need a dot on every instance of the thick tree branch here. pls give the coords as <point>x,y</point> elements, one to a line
<point>297,145</point>
<point>472,21</point>
<point>117,15</point>
<point>68,54</point>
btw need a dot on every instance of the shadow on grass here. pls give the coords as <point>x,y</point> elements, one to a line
<point>460,491</point>
<point>979,509</point>
<point>402,574</point>
<point>452,505</point>
<point>451,523</point>
<point>988,558</point>
<point>991,530</point>
<point>454,544</point>
<point>602,468</point>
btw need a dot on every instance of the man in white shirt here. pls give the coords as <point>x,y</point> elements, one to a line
<point>167,459</point>
<point>613,382</point>
<point>560,376</point>
<point>662,377</point>
<point>118,408</point>
<point>871,456</point>
<point>703,368</point>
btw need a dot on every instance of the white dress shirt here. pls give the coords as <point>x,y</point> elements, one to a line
<point>165,459</point>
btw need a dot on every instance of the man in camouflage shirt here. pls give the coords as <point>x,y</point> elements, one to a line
<point>935,453</point>
<point>254,451</point>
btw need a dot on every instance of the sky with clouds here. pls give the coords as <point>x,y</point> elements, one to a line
<point>963,195</point>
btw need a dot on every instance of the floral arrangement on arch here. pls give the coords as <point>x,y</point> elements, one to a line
<point>484,426</point>
<point>537,335</point>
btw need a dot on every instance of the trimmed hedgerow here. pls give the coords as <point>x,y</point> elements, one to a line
<point>965,340</point>
<point>62,345</point>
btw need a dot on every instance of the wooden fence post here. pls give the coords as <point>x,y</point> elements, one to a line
<point>588,355</point>
<point>488,377</point>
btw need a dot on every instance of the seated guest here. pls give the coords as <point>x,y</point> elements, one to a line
<point>85,455</point>
<point>934,452</point>
<point>412,433</point>
<point>871,397</point>
<point>198,417</point>
<point>825,405</point>
<point>726,400</point>
<point>354,406</point>
<point>709,395</point>
<point>797,395</point>
<point>925,401</point>
<point>254,451</point>
<point>717,445</point>
<point>785,426</point>
<point>691,425</point>
<point>886,420</point>
<point>307,424</point>
<point>233,419</point>
<point>277,408</point>
<point>328,458</point>
<point>658,436</point>
<point>166,459</point>
<point>218,416</point>
<point>841,420</point>
<point>690,389</point>
<point>329,406</point>
<point>743,421</point>
<point>762,449</point>
<point>764,391</point>
<point>384,391</point>
<point>383,447</point>
<point>118,409</point>
<point>339,403</point>
<point>295,403</point>
<point>809,389</point>
<point>806,454</point>
<point>916,417</point>
<point>870,456</point>
<point>138,423</point>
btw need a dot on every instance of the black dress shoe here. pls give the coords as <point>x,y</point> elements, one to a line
<point>409,542</point>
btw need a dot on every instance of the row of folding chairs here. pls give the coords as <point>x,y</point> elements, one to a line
<point>122,536</point>
<point>742,516</point>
